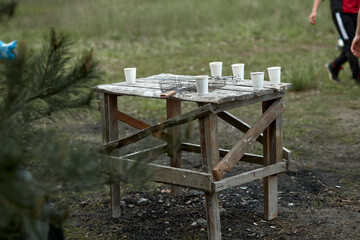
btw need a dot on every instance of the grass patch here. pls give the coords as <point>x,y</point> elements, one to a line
<point>303,78</point>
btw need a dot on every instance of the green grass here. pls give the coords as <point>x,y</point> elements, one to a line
<point>183,36</point>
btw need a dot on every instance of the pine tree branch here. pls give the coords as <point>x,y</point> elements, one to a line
<point>82,72</point>
<point>54,47</point>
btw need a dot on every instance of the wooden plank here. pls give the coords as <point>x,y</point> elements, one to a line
<point>173,109</point>
<point>224,106</point>
<point>237,123</point>
<point>210,154</point>
<point>217,97</point>
<point>287,156</point>
<point>153,84</point>
<point>245,82</point>
<point>232,87</point>
<point>209,140</point>
<point>272,149</point>
<point>231,91</point>
<point>213,216</point>
<point>248,176</point>
<point>129,90</point>
<point>250,158</point>
<point>249,137</point>
<point>267,85</point>
<point>171,175</point>
<point>270,197</point>
<point>183,177</point>
<point>104,118</point>
<point>184,118</point>
<point>148,153</point>
<point>245,86</point>
<point>108,108</point>
<point>244,127</point>
<point>136,123</point>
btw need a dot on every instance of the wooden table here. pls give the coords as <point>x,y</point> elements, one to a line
<point>267,130</point>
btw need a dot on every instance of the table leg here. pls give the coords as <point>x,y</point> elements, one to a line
<point>173,109</point>
<point>213,216</point>
<point>210,155</point>
<point>109,124</point>
<point>273,153</point>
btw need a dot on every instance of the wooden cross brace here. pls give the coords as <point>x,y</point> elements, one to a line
<point>136,123</point>
<point>235,154</point>
<point>175,121</point>
<point>244,127</point>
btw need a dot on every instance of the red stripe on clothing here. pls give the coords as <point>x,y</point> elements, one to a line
<point>350,6</point>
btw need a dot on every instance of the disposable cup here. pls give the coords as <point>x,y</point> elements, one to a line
<point>274,74</point>
<point>202,84</point>
<point>238,70</point>
<point>257,80</point>
<point>216,69</point>
<point>130,75</point>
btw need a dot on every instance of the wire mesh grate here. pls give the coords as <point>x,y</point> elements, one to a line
<point>187,83</point>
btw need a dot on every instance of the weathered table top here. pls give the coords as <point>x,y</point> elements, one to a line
<point>149,87</point>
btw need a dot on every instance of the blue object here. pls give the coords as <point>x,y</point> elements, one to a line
<point>6,49</point>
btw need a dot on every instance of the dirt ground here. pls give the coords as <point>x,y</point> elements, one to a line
<point>318,199</point>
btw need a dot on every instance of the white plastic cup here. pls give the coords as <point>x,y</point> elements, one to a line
<point>257,80</point>
<point>238,70</point>
<point>130,75</point>
<point>274,74</point>
<point>216,69</point>
<point>202,84</point>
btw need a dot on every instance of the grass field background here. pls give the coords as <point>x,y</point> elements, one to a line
<point>183,36</point>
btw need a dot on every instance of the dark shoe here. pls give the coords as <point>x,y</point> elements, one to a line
<point>333,71</point>
<point>357,78</point>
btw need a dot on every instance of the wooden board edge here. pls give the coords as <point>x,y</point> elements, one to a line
<point>248,176</point>
<point>248,157</point>
<point>174,176</point>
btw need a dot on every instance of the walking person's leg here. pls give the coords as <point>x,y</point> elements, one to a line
<point>335,66</point>
<point>346,26</point>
